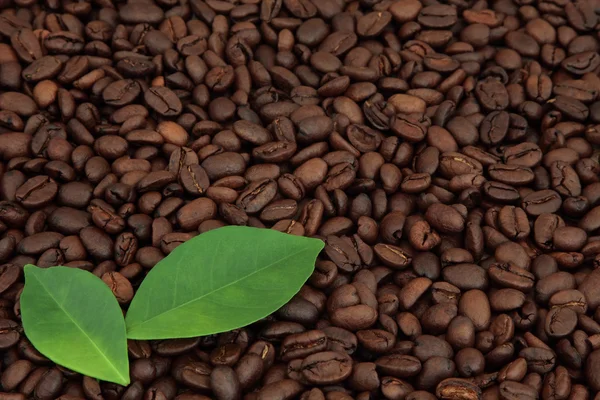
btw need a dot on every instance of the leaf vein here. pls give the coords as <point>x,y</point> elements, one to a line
<point>220,288</point>
<point>80,328</point>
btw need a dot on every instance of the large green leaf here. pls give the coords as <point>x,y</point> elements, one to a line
<point>73,318</point>
<point>220,280</point>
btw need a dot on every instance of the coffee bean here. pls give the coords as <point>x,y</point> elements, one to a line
<point>511,174</point>
<point>492,94</point>
<point>97,243</point>
<point>282,389</point>
<point>119,285</point>
<point>540,202</point>
<point>538,360</point>
<point>511,389</point>
<point>191,215</point>
<point>9,333</point>
<point>253,133</point>
<point>444,218</point>
<point>15,374</point>
<point>510,275</point>
<point>392,256</point>
<point>439,16</point>
<point>163,101</point>
<point>257,195</point>
<point>9,274</point>
<point>303,344</point>
<point>38,243</point>
<point>494,127</point>
<point>49,384</point>
<point>326,367</point>
<point>376,340</point>
<point>225,383</point>
<point>448,388</point>
<point>194,179</point>
<point>37,192</point>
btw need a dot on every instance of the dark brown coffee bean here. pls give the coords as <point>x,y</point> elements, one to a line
<point>45,67</point>
<point>445,218</point>
<point>37,192</point>
<point>303,344</point>
<point>15,374</point>
<point>191,215</point>
<point>326,367</point>
<point>540,360</point>
<point>121,92</point>
<point>513,390</point>
<point>448,389</point>
<point>49,385</point>
<point>511,174</point>
<point>513,222</point>
<point>282,389</point>
<point>392,256</point>
<point>225,383</point>
<point>541,201</point>
<point>9,333</point>
<point>376,340</point>
<point>194,179</point>
<point>163,101</point>
<point>9,274</point>
<point>492,94</point>
<point>373,23</point>
<point>581,63</point>
<point>509,275</point>
<point>257,196</point>
<point>119,285</point>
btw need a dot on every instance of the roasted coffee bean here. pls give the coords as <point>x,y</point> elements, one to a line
<point>225,383</point>
<point>194,179</point>
<point>9,274</point>
<point>10,333</point>
<point>163,100</point>
<point>49,384</point>
<point>257,196</point>
<point>326,367</point>
<point>452,387</point>
<point>37,192</point>
<point>444,218</point>
<point>510,275</point>
<point>540,360</point>
<point>119,285</point>
<point>303,344</point>
<point>514,390</point>
<point>15,374</point>
<point>543,201</point>
<point>392,256</point>
<point>399,365</point>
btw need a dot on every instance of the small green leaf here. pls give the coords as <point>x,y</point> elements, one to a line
<point>72,317</point>
<point>220,280</point>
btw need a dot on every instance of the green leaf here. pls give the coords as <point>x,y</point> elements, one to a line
<point>73,318</point>
<point>220,280</point>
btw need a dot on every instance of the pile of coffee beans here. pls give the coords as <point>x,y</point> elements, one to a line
<point>447,152</point>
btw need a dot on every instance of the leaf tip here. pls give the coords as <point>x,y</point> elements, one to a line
<point>123,380</point>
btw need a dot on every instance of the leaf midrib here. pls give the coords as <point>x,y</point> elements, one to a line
<point>80,328</point>
<point>130,328</point>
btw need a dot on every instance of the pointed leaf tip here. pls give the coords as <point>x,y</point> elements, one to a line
<point>221,280</point>
<point>72,317</point>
